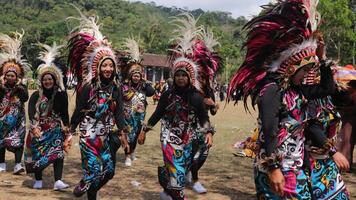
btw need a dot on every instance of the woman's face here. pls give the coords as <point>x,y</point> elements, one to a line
<point>11,78</point>
<point>136,77</point>
<point>47,81</point>
<point>181,79</point>
<point>107,68</point>
<point>299,76</point>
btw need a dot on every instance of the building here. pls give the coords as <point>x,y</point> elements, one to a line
<point>156,67</point>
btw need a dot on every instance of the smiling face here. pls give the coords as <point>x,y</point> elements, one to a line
<point>136,77</point>
<point>11,78</point>
<point>107,68</point>
<point>47,81</point>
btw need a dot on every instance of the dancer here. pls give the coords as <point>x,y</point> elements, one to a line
<point>13,95</point>
<point>99,108</point>
<point>135,89</point>
<point>48,110</point>
<point>182,110</point>
<point>281,49</point>
<point>322,161</point>
<point>208,63</point>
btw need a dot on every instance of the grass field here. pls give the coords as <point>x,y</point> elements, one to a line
<point>224,175</point>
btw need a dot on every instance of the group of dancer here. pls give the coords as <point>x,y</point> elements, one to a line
<point>285,72</point>
<point>110,107</point>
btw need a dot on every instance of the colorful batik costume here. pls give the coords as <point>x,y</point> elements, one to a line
<point>13,118</point>
<point>99,109</point>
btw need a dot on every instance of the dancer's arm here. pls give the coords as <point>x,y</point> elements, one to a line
<point>160,109</point>
<point>119,112</point>
<point>22,92</point>
<point>34,127</point>
<point>79,112</point>
<point>155,117</point>
<point>150,91</point>
<point>326,87</point>
<point>61,106</point>
<point>32,106</point>
<point>269,110</point>
<point>269,104</point>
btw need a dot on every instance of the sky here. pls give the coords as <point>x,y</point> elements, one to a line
<point>238,8</point>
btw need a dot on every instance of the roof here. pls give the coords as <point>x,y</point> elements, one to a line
<point>154,60</point>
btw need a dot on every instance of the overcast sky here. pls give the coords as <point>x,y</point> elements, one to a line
<point>246,8</point>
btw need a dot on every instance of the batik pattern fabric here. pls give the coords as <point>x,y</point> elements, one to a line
<point>176,163</point>
<point>46,149</point>
<point>326,180</point>
<point>290,147</point>
<point>325,176</point>
<point>297,186</point>
<point>178,122</point>
<point>323,112</point>
<point>177,132</point>
<point>134,111</point>
<point>97,163</point>
<point>12,122</point>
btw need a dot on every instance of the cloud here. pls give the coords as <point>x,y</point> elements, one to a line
<point>245,8</point>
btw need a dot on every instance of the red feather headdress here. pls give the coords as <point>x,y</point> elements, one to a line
<point>280,41</point>
<point>193,50</point>
<point>87,48</point>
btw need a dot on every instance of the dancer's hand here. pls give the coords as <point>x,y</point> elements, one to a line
<point>124,143</point>
<point>209,102</point>
<point>209,140</point>
<point>320,51</point>
<point>67,144</point>
<point>276,181</point>
<point>341,161</point>
<point>142,137</point>
<point>36,132</point>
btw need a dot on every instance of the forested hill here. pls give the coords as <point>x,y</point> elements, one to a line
<point>44,21</point>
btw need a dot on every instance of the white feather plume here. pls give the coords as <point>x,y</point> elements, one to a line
<point>314,15</point>
<point>209,40</point>
<point>49,54</point>
<point>133,49</point>
<point>87,25</point>
<point>10,49</point>
<point>187,30</point>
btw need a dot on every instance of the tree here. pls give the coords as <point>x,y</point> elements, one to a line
<point>338,22</point>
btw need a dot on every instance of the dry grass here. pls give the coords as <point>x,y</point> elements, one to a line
<point>225,176</point>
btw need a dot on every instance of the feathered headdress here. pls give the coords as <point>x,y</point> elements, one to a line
<point>48,55</point>
<point>132,57</point>
<point>280,41</point>
<point>192,50</point>
<point>87,49</point>
<point>205,56</point>
<point>10,55</point>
